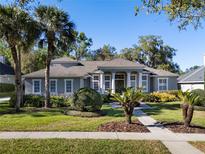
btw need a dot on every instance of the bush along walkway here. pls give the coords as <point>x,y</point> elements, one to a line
<point>174,145</point>
<point>175,142</point>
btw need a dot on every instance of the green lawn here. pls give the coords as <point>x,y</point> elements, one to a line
<point>52,146</point>
<point>6,94</point>
<point>199,145</point>
<point>172,112</point>
<point>53,120</point>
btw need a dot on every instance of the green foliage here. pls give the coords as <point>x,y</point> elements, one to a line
<point>107,52</point>
<point>189,97</point>
<point>129,99</point>
<point>33,101</point>
<point>152,52</point>
<point>168,96</point>
<point>60,101</point>
<point>107,98</point>
<point>87,99</point>
<point>81,46</point>
<point>185,12</point>
<point>201,93</point>
<point>38,101</point>
<point>5,87</point>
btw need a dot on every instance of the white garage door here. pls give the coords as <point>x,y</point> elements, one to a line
<point>190,87</point>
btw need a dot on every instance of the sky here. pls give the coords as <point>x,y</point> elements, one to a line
<point>114,22</point>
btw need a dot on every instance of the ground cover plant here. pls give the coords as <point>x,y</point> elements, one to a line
<point>85,146</point>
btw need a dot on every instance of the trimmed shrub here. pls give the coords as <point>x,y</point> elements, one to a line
<point>201,93</point>
<point>172,92</point>
<point>38,101</point>
<point>33,101</point>
<point>87,99</point>
<point>164,97</point>
<point>148,98</point>
<point>159,97</point>
<point>5,87</point>
<point>60,101</point>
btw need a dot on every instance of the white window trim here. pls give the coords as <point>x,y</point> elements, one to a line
<point>96,81</point>
<point>146,82</point>
<point>166,83</point>
<point>71,86</point>
<point>135,75</point>
<point>110,81</point>
<point>33,86</point>
<point>56,87</point>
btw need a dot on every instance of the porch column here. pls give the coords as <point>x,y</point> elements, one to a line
<point>128,80</point>
<point>102,83</point>
<point>140,80</point>
<point>113,83</point>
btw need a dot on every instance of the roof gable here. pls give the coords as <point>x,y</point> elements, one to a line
<point>193,76</point>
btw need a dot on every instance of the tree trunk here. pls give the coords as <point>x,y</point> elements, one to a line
<point>187,111</point>
<point>51,49</point>
<point>128,114</point>
<point>189,117</point>
<point>184,110</point>
<point>17,68</point>
<point>47,75</point>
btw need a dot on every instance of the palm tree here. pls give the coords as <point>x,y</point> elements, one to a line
<point>129,99</point>
<point>58,31</point>
<point>19,30</point>
<point>188,99</point>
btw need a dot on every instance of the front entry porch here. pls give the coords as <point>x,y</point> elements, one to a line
<point>116,81</point>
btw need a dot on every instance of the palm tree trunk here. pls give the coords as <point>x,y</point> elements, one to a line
<point>189,117</point>
<point>17,67</point>
<point>47,75</point>
<point>51,49</point>
<point>128,114</point>
<point>184,110</point>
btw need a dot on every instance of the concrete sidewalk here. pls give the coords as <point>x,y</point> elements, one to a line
<point>177,137</point>
<point>4,99</point>
<point>176,143</point>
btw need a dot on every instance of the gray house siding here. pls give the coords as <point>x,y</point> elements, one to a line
<point>60,85</point>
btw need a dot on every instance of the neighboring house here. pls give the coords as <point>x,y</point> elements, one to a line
<point>192,80</point>
<point>67,76</point>
<point>6,74</point>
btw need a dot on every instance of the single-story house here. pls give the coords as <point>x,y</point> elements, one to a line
<point>67,76</point>
<point>192,80</point>
<point>7,74</point>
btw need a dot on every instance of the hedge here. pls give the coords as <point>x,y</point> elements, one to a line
<point>5,87</point>
<point>38,101</point>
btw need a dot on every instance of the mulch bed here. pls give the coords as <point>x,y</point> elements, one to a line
<point>122,126</point>
<point>178,127</point>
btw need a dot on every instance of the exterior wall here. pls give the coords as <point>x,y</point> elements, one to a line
<point>7,79</point>
<point>60,85</point>
<point>172,83</point>
<point>185,87</point>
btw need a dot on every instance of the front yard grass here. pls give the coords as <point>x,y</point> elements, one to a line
<point>171,112</point>
<point>199,145</point>
<point>85,146</point>
<point>6,94</point>
<point>53,120</point>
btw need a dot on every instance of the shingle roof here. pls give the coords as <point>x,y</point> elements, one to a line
<point>87,67</point>
<point>193,76</point>
<point>6,69</point>
<point>160,72</point>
